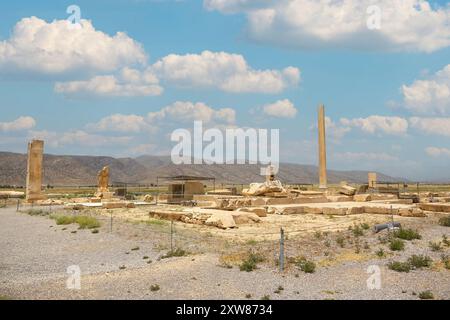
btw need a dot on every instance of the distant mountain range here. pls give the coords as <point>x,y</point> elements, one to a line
<point>82,170</point>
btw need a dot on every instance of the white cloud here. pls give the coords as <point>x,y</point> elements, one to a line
<point>281,109</point>
<point>378,124</point>
<point>435,126</point>
<point>53,48</point>
<point>129,83</point>
<point>79,138</point>
<point>20,124</point>
<point>178,112</point>
<point>121,123</point>
<point>437,152</point>
<point>364,156</point>
<point>186,111</point>
<point>225,71</point>
<point>431,96</point>
<point>407,25</point>
<point>333,130</point>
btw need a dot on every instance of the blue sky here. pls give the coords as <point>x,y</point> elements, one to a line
<point>386,91</point>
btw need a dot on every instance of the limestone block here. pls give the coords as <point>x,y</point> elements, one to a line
<point>244,217</point>
<point>259,211</point>
<point>380,210</point>
<point>335,211</point>
<point>347,190</point>
<point>148,198</point>
<point>355,210</point>
<point>362,197</point>
<point>412,212</point>
<point>342,198</point>
<point>315,210</point>
<point>435,207</point>
<point>223,221</point>
<point>113,205</point>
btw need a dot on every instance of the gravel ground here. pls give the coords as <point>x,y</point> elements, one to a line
<point>35,253</point>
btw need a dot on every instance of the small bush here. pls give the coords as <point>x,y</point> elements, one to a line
<point>37,212</point>
<point>407,234</point>
<point>446,261</point>
<point>251,262</point>
<point>340,241</point>
<point>63,220</point>
<point>358,231</point>
<point>399,266</point>
<point>95,231</point>
<point>174,253</point>
<point>85,222</point>
<point>135,249</point>
<point>248,296</point>
<point>266,297</point>
<point>419,261</point>
<point>154,287</point>
<point>380,253</point>
<point>445,240</point>
<point>305,265</point>
<point>445,221</point>
<point>365,226</point>
<point>426,295</point>
<point>397,245</point>
<point>435,246</point>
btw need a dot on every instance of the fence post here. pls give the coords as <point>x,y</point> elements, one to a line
<point>18,205</point>
<point>111,223</point>
<point>171,235</point>
<point>281,262</point>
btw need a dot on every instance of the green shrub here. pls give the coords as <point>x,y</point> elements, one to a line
<point>445,240</point>
<point>445,221</point>
<point>63,220</point>
<point>251,262</point>
<point>446,261</point>
<point>365,226</point>
<point>154,287</point>
<point>397,245</point>
<point>37,212</point>
<point>85,222</point>
<point>419,261</point>
<point>426,295</point>
<point>435,246</point>
<point>380,252</point>
<point>407,234</point>
<point>178,252</point>
<point>266,297</point>
<point>399,266</point>
<point>305,265</point>
<point>340,241</point>
<point>358,231</point>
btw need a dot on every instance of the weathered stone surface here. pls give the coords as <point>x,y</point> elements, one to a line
<point>341,198</point>
<point>259,211</point>
<point>114,205</point>
<point>258,202</point>
<point>34,171</point>
<point>221,220</point>
<point>381,210</point>
<point>259,189</point>
<point>334,211</point>
<point>244,217</point>
<point>413,212</point>
<point>362,197</point>
<point>11,194</point>
<point>383,196</point>
<point>435,207</point>
<point>148,198</point>
<point>347,190</point>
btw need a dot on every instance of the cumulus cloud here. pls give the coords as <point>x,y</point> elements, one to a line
<point>281,109</point>
<point>434,126</point>
<point>129,83</point>
<point>407,25</point>
<point>186,111</point>
<point>178,112</point>
<point>121,123</point>
<point>430,96</point>
<point>378,124</point>
<point>20,124</point>
<point>437,152</point>
<point>53,48</point>
<point>225,71</point>
<point>364,156</point>
<point>79,138</point>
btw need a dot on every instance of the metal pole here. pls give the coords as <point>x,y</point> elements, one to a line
<point>281,250</point>
<point>18,205</point>
<point>171,235</point>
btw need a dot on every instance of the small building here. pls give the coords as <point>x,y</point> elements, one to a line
<point>183,188</point>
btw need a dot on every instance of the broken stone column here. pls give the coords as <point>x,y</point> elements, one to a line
<point>34,171</point>
<point>372,178</point>
<point>322,149</point>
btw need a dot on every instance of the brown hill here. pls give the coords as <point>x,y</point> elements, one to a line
<point>82,170</point>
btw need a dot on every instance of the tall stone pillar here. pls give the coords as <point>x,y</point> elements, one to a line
<point>322,149</point>
<point>34,171</point>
